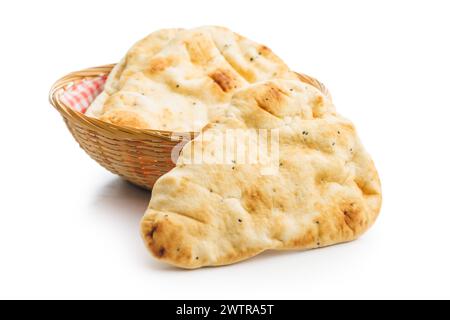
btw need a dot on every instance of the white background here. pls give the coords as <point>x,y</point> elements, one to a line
<point>69,229</point>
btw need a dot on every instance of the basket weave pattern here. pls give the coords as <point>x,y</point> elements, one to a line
<point>137,155</point>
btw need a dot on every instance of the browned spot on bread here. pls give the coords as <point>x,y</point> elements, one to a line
<point>264,51</point>
<point>159,64</point>
<point>353,217</point>
<point>223,79</point>
<point>318,105</point>
<point>270,99</point>
<point>308,239</point>
<point>200,49</point>
<point>125,118</point>
<point>209,126</point>
<point>166,241</point>
<point>256,201</point>
<point>152,231</point>
<point>161,252</point>
<point>365,186</point>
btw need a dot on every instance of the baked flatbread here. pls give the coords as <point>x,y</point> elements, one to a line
<point>326,190</point>
<point>181,80</point>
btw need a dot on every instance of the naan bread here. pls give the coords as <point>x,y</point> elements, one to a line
<point>326,190</point>
<point>181,80</point>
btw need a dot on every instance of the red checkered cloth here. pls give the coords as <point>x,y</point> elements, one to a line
<point>80,95</point>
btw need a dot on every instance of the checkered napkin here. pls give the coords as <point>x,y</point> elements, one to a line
<point>80,95</point>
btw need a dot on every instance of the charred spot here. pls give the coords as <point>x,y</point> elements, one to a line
<point>152,231</point>
<point>223,79</point>
<point>161,252</point>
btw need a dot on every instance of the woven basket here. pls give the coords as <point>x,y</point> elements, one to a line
<point>137,155</point>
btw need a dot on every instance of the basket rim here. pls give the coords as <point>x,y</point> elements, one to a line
<point>124,132</point>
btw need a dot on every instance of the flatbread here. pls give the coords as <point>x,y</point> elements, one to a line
<point>326,190</point>
<point>180,80</point>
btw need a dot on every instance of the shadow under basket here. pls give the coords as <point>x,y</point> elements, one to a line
<point>139,156</point>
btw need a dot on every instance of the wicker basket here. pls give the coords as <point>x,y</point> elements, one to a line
<point>137,155</point>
